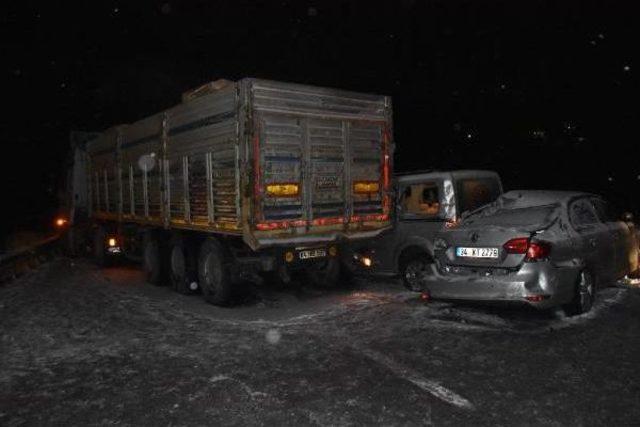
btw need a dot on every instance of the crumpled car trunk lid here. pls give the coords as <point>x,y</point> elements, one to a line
<point>479,241</point>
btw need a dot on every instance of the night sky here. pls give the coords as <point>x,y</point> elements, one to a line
<point>545,93</point>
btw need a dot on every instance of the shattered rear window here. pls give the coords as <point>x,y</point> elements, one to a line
<point>514,217</point>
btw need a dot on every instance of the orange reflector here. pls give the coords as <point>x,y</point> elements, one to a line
<point>282,190</point>
<point>288,256</point>
<point>361,187</point>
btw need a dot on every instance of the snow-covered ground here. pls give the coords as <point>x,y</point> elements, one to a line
<point>83,346</point>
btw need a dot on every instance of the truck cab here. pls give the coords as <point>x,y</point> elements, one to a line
<point>425,203</point>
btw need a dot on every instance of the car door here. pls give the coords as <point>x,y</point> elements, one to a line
<point>421,213</point>
<point>592,239</point>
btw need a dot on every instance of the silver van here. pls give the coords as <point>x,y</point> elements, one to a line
<point>425,203</point>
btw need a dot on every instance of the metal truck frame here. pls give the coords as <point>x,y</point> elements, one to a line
<point>242,178</point>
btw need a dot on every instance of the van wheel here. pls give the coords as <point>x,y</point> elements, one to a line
<point>324,274</point>
<point>584,297</point>
<point>100,255</point>
<point>152,261</point>
<point>213,274</point>
<point>182,271</point>
<point>413,266</point>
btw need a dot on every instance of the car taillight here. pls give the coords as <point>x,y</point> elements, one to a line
<point>534,251</point>
<point>538,251</point>
<point>517,246</point>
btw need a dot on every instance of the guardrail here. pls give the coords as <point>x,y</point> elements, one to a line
<point>16,262</point>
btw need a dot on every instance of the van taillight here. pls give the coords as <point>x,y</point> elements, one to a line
<point>534,251</point>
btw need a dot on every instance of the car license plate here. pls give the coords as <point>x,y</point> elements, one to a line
<point>312,253</point>
<point>477,252</point>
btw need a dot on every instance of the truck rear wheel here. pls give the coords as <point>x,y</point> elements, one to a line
<point>151,258</point>
<point>100,255</point>
<point>182,271</point>
<point>213,273</point>
<point>324,274</point>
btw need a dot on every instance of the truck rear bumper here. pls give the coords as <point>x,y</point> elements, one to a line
<point>316,239</point>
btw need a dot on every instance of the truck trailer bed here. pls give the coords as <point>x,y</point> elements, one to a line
<point>272,162</point>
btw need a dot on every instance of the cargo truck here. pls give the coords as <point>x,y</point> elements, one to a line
<point>241,178</point>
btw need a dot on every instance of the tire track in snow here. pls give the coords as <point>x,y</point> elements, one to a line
<point>432,387</point>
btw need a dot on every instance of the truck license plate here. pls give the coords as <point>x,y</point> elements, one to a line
<point>477,252</point>
<point>312,253</point>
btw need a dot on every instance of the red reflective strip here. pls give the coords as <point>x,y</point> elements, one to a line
<point>386,160</point>
<point>327,221</point>
<point>366,218</point>
<point>275,225</point>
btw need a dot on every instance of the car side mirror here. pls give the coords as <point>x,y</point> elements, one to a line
<point>627,217</point>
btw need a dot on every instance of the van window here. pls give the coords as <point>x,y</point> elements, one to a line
<point>476,192</point>
<point>420,200</point>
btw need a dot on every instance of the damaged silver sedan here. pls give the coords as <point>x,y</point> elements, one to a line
<point>541,248</point>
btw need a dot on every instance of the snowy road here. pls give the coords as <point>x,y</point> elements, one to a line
<point>83,346</point>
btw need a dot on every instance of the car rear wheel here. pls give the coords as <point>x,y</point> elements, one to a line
<point>413,267</point>
<point>585,295</point>
<point>213,274</point>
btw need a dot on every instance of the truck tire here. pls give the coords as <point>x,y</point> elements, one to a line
<point>325,274</point>
<point>181,266</point>
<point>152,258</point>
<point>213,273</point>
<point>100,255</point>
<point>72,243</point>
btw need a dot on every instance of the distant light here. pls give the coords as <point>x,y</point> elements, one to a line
<point>469,136</point>
<point>601,36</point>
<point>626,68</point>
<point>638,177</point>
<point>312,11</point>
<point>503,86</point>
<point>63,85</point>
<point>61,222</point>
<point>112,242</point>
<point>610,179</point>
<point>593,42</point>
<point>166,8</point>
<point>538,134</point>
